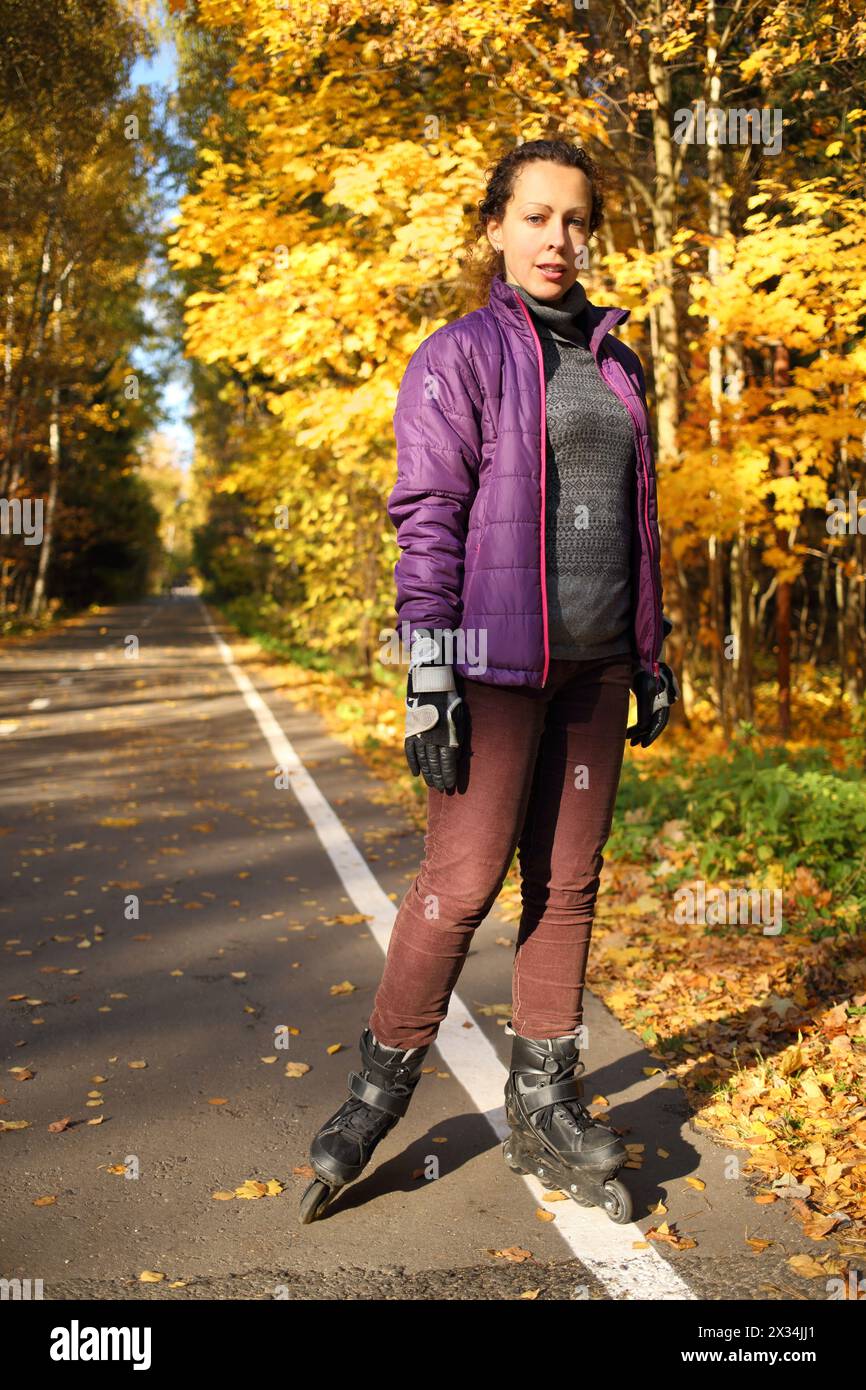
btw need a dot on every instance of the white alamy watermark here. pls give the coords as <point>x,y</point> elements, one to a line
<point>21,1290</point>
<point>466,647</point>
<point>729,126</point>
<point>696,903</point>
<point>22,516</point>
<point>77,1343</point>
<point>846,518</point>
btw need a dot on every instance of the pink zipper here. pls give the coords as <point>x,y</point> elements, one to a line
<point>647,528</point>
<point>543,432</point>
<point>649,537</point>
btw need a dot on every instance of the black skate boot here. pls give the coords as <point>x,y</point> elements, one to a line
<point>553,1136</point>
<point>345,1143</point>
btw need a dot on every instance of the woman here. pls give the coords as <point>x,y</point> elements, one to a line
<point>529,579</point>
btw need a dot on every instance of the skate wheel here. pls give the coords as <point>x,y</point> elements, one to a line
<point>617,1202</point>
<point>314,1201</point>
<point>508,1154</point>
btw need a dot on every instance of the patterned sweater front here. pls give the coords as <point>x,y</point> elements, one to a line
<point>589,472</point>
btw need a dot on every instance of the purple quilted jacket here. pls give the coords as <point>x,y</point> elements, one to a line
<point>469,501</point>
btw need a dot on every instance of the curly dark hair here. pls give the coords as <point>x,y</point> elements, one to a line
<point>481,267</point>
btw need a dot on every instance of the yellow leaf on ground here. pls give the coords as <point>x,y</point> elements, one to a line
<point>252,1189</point>
<point>806,1266</point>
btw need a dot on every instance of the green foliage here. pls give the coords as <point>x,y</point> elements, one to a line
<point>752,809</point>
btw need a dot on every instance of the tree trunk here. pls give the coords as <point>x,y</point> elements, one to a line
<point>742,624</point>
<point>781,378</point>
<point>38,599</point>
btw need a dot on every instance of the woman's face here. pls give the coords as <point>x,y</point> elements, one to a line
<point>546,223</point>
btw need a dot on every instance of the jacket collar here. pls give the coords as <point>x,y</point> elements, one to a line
<point>508,307</point>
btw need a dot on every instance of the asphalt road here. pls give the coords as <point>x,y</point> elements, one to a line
<point>166,903</point>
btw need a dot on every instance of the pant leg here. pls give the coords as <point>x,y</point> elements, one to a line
<point>560,850</point>
<point>472,833</point>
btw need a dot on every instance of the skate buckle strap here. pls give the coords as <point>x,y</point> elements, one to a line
<point>539,1097</point>
<point>374,1095</point>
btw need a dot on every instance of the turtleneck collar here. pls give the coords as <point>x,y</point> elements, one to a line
<point>564,318</point>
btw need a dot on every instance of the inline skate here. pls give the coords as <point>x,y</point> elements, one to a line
<point>553,1135</point>
<point>344,1145</point>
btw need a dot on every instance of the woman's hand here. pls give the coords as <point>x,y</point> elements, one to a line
<point>435,715</point>
<point>654,695</point>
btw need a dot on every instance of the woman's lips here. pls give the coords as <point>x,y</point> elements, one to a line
<point>552,272</point>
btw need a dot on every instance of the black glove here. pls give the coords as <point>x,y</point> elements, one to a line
<point>435,714</point>
<point>655,695</point>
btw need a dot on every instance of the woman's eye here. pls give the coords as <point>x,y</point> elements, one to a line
<point>533,215</point>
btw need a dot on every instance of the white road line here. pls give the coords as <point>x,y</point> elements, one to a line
<point>605,1248</point>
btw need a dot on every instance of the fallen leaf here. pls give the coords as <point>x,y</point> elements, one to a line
<point>807,1267</point>
<point>757,1244</point>
<point>251,1189</point>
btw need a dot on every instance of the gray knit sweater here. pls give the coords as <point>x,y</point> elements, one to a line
<point>590,467</point>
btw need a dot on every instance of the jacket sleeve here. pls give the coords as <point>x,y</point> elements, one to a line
<point>437,425</point>
<point>653,509</point>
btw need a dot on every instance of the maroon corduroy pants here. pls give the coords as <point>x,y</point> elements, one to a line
<point>538,772</point>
